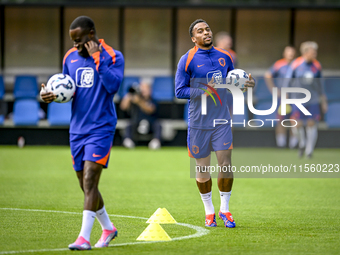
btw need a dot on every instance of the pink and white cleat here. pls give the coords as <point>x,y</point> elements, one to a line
<point>210,220</point>
<point>80,244</point>
<point>106,237</point>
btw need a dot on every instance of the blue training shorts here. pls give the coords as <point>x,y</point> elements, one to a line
<point>91,147</point>
<point>314,109</point>
<point>201,142</point>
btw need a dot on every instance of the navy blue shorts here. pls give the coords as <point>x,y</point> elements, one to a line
<point>91,147</point>
<point>201,142</point>
<point>314,109</point>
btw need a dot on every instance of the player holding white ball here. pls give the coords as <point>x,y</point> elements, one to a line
<point>211,64</point>
<point>97,70</point>
<point>238,78</point>
<point>62,86</point>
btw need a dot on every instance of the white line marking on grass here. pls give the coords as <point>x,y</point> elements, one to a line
<point>199,231</point>
<point>37,210</point>
<point>33,251</point>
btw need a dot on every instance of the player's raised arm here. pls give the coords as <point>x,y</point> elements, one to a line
<point>109,64</point>
<point>112,71</point>
<point>93,47</point>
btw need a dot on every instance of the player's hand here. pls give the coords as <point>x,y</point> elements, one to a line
<point>211,84</point>
<point>92,47</point>
<point>47,97</point>
<point>250,83</point>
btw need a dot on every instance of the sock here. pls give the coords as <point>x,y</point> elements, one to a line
<point>295,132</point>
<point>86,227</point>
<point>312,136</point>
<point>293,141</point>
<point>225,196</point>
<point>281,140</point>
<point>207,201</point>
<point>104,219</point>
<point>301,137</point>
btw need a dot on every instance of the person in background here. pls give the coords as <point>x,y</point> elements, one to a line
<point>274,78</point>
<point>305,72</point>
<point>224,41</point>
<point>143,111</point>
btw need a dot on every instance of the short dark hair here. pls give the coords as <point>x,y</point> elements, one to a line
<point>193,24</point>
<point>84,22</point>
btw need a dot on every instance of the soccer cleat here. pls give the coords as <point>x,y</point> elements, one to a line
<point>80,244</point>
<point>106,237</point>
<point>210,220</point>
<point>227,219</point>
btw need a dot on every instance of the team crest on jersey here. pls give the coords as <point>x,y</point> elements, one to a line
<point>221,61</point>
<point>216,76</point>
<point>85,77</point>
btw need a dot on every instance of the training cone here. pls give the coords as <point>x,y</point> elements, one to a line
<point>154,232</point>
<point>161,216</point>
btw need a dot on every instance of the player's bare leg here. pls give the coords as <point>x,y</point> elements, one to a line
<point>95,201</point>
<point>204,183</point>
<point>225,178</point>
<point>203,176</point>
<point>93,208</point>
<point>311,137</point>
<point>225,183</point>
<point>91,176</point>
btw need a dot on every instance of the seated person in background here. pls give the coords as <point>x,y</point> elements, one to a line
<point>143,111</point>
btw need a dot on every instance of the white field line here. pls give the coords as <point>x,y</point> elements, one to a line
<point>199,231</point>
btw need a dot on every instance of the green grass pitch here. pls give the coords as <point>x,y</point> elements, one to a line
<point>273,215</point>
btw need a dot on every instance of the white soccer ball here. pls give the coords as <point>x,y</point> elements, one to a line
<point>238,78</point>
<point>63,86</point>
